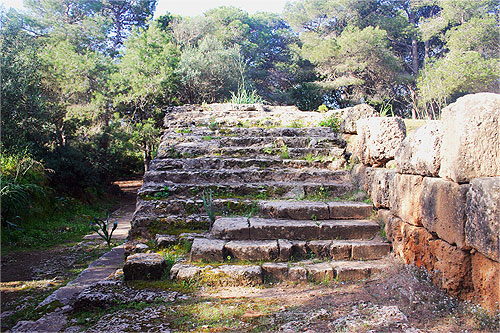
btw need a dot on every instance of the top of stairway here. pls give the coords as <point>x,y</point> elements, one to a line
<point>241,114</point>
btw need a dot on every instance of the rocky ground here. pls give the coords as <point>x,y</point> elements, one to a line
<point>400,300</point>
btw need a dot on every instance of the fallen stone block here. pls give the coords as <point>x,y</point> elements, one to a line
<point>163,241</point>
<point>144,266</point>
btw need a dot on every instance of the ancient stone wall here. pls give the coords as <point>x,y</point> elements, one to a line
<point>440,196</point>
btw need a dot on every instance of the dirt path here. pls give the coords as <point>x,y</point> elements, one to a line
<point>28,277</point>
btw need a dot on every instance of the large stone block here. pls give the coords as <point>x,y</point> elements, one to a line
<point>419,153</point>
<point>486,281</point>
<point>207,249</point>
<point>452,268</point>
<point>405,198</point>
<point>379,139</point>
<point>482,227</point>
<point>361,176</point>
<point>144,266</point>
<point>471,138</point>
<point>443,209</point>
<point>353,114</point>
<point>416,247</point>
<point>382,182</point>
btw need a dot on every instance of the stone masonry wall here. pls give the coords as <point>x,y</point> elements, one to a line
<point>440,201</point>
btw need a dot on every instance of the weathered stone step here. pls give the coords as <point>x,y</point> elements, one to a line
<point>179,207</point>
<point>257,190</point>
<point>191,150</point>
<point>206,249</point>
<point>307,210</point>
<point>244,175</point>
<point>242,228</point>
<point>263,141</point>
<point>244,275</point>
<point>255,132</point>
<point>329,271</point>
<point>219,162</point>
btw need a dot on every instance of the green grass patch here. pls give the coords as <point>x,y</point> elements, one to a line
<point>68,223</point>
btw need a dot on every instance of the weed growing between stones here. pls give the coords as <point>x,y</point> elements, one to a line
<point>160,195</point>
<point>183,130</point>
<point>322,194</point>
<point>208,203</point>
<point>209,138</point>
<point>296,124</point>
<point>333,122</point>
<point>284,153</point>
<point>213,124</point>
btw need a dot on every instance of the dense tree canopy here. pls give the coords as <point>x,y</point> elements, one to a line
<point>86,83</point>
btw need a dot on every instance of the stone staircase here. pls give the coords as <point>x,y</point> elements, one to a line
<point>276,193</point>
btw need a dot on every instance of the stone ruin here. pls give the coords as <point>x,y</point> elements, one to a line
<point>285,201</point>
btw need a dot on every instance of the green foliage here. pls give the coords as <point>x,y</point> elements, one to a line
<point>245,97</point>
<point>455,75</point>
<point>67,220</point>
<point>208,72</point>
<point>333,122</point>
<point>284,153</point>
<point>208,203</point>
<point>322,108</point>
<point>23,184</point>
<point>101,227</point>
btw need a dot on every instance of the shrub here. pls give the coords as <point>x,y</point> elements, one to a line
<point>23,183</point>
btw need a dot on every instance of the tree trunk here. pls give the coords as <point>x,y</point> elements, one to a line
<point>426,51</point>
<point>147,158</point>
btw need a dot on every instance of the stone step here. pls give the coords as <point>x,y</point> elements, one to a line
<point>218,250</point>
<point>192,150</point>
<point>254,190</point>
<point>164,210</point>
<point>315,210</point>
<point>255,228</point>
<point>262,141</point>
<point>243,118</point>
<point>255,132</point>
<point>308,270</point>
<point>217,163</point>
<point>244,176</point>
